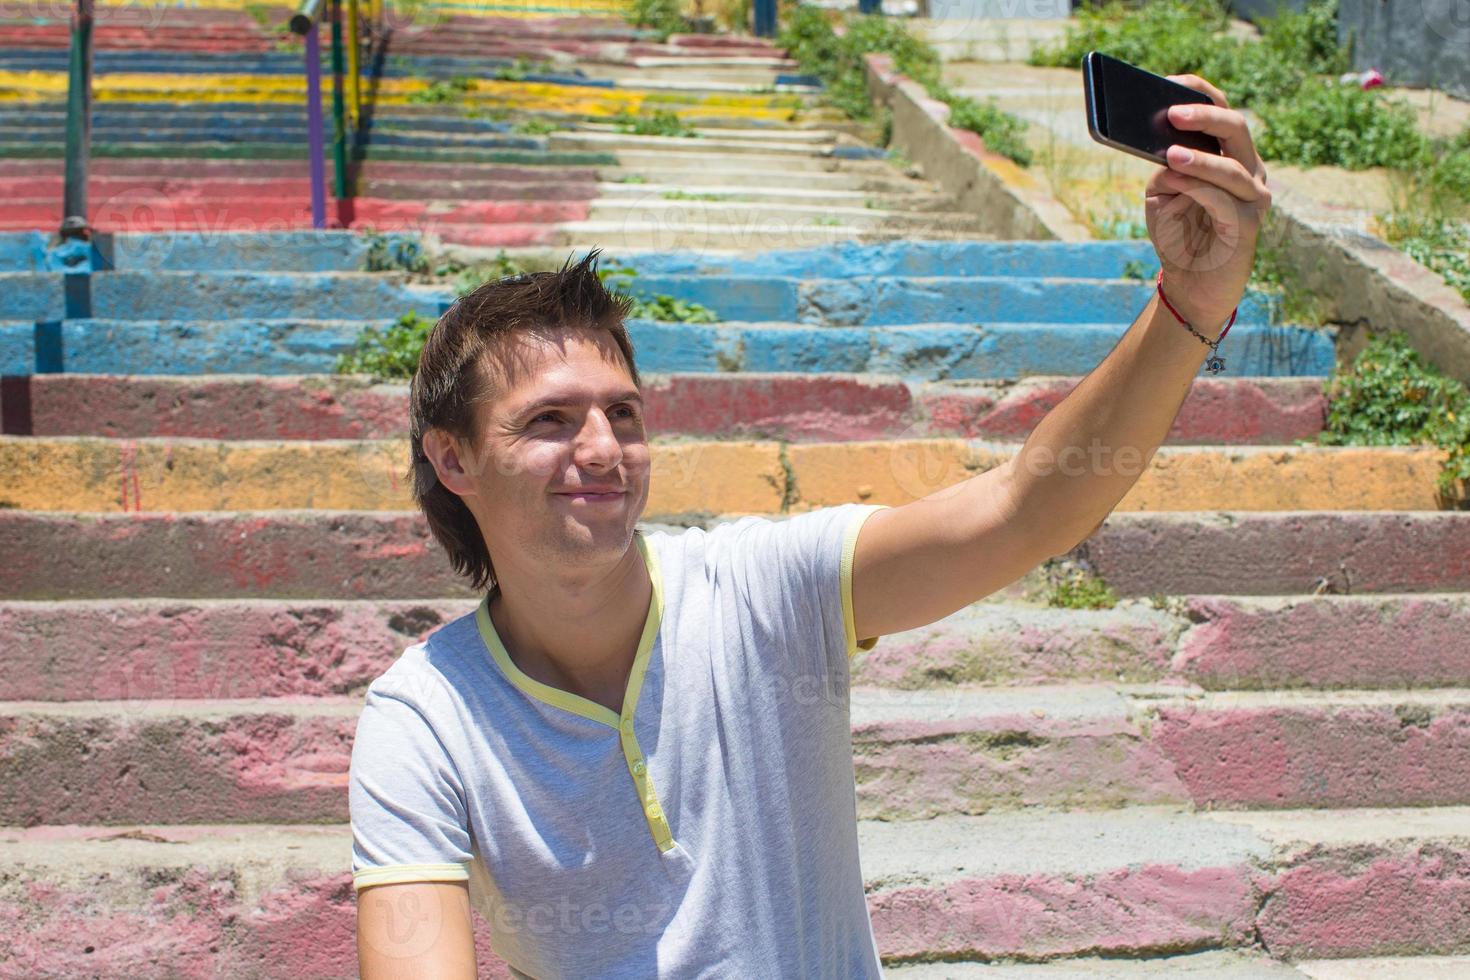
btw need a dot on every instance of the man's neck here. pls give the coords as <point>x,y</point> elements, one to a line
<point>578,638</point>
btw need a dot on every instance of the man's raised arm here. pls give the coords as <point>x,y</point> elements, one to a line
<point>920,562</point>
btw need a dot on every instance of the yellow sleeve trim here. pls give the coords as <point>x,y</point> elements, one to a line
<point>397,874</point>
<point>849,548</point>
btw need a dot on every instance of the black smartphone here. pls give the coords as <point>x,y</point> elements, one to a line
<point>1128,109</point>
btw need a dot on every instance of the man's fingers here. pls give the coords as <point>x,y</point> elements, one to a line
<point>1222,208</point>
<point>1210,168</point>
<point>1200,85</point>
<point>1226,125</point>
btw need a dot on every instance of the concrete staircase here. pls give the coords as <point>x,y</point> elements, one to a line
<point>200,126</point>
<point>1257,764</point>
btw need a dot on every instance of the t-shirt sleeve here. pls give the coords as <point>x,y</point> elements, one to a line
<point>800,568</point>
<point>409,819</point>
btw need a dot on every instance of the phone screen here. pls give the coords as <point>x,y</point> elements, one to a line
<point>1129,107</point>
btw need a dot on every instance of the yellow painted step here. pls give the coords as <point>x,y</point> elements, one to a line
<point>88,474</point>
<point>531,96</point>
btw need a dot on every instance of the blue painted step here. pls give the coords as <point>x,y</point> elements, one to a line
<point>281,63</point>
<point>297,251</point>
<point>287,121</point>
<point>287,251</point>
<point>883,300</point>
<point>1085,260</point>
<point>988,351</point>
<point>875,301</point>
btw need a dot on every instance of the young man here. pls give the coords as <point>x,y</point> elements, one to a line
<point>636,752</point>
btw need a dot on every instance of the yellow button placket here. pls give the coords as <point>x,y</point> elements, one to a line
<point>653,812</point>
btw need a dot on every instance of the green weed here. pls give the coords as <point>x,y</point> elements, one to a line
<point>809,38</point>
<point>663,17</point>
<point>1389,397</point>
<point>619,278</point>
<point>660,122</point>
<point>391,354</point>
<point>1070,586</point>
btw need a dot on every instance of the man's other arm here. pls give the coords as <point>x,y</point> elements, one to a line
<point>415,931</point>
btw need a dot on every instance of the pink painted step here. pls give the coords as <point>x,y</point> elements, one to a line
<point>1040,886</point>
<point>796,407</point>
<point>459,220</point>
<point>1287,552</point>
<point>189,169</point>
<point>115,192</point>
<point>918,754</point>
<point>1220,643</point>
<point>351,555</point>
<point>146,649</point>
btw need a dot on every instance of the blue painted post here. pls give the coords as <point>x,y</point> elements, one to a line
<point>315,136</point>
<point>765,18</point>
<point>870,6</point>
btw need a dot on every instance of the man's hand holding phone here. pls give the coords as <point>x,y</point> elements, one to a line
<point>1205,206</point>
<point>1204,211</point>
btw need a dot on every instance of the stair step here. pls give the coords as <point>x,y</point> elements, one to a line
<point>915,353</point>
<point>918,754</point>
<point>621,142</point>
<point>719,476</point>
<point>911,200</point>
<point>222,251</point>
<point>797,407</point>
<point>352,554</point>
<point>186,169</point>
<point>836,178</point>
<point>697,160</point>
<point>143,649</point>
<point>1263,554</point>
<point>828,302</point>
<point>726,231</point>
<point>1232,964</point>
<point>296,152</point>
<point>1216,642</point>
<point>1125,884</point>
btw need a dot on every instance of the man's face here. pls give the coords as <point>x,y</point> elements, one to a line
<point>563,415</point>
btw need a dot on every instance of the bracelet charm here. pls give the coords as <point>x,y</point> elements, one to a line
<point>1215,363</point>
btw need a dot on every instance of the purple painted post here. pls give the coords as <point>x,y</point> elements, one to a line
<point>316,142</point>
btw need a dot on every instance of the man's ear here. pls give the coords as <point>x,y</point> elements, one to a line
<point>451,464</point>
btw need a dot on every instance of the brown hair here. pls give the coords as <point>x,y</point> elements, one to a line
<point>451,380</point>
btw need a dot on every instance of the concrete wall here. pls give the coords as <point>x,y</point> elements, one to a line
<point>1419,43</point>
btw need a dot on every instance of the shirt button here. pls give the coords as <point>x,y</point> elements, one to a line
<point>628,725</point>
<point>638,767</point>
<point>654,812</point>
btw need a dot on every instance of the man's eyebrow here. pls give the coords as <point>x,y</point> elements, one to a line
<point>627,396</point>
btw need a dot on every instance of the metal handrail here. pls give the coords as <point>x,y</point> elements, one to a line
<point>74,222</point>
<point>347,101</point>
<point>304,22</point>
<point>307,17</point>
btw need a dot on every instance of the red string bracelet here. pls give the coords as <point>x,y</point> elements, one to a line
<point>1215,362</point>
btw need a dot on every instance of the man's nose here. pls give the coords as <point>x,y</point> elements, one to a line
<point>596,443</point>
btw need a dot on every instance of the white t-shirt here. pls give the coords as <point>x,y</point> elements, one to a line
<point>709,829</point>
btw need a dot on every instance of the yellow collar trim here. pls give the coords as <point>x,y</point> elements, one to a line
<point>566,700</point>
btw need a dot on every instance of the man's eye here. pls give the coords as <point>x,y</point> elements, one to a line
<point>544,415</point>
